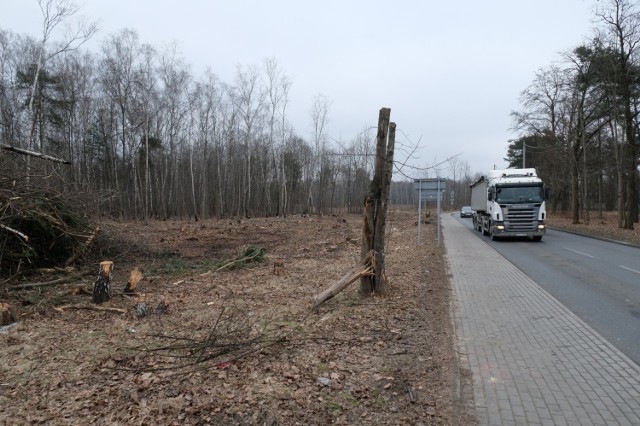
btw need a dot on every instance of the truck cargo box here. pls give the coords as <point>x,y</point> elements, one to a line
<point>479,195</point>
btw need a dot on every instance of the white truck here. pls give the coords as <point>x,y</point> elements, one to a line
<point>510,203</point>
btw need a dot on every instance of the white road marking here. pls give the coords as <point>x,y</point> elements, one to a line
<point>629,269</point>
<point>579,252</point>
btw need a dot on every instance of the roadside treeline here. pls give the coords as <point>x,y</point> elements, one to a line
<point>147,138</point>
<point>579,119</point>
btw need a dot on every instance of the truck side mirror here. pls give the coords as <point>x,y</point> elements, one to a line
<point>490,196</point>
<point>546,193</point>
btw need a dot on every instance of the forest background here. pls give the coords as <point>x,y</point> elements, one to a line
<point>134,134</point>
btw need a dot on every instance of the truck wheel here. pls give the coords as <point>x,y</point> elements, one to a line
<point>484,231</point>
<point>537,238</point>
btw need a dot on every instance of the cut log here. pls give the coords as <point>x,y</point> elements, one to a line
<point>365,268</point>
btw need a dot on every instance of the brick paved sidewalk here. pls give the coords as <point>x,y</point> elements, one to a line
<point>533,361</point>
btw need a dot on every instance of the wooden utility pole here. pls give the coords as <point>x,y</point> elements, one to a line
<point>375,205</point>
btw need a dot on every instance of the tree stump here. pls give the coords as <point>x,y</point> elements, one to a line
<point>102,287</point>
<point>134,279</point>
<point>7,314</point>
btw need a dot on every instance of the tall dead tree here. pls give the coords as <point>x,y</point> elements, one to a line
<point>371,268</point>
<point>375,204</point>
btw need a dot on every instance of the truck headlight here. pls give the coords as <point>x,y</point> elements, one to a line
<point>541,226</point>
<point>500,227</point>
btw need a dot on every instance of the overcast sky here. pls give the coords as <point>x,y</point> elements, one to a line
<point>451,71</point>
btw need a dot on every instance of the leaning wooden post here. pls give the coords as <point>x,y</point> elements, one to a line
<point>375,204</point>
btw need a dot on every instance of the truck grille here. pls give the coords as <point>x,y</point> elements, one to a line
<point>521,218</point>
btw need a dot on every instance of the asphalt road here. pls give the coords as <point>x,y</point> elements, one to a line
<point>598,280</point>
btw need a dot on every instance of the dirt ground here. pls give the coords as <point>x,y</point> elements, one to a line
<point>603,225</point>
<point>238,345</point>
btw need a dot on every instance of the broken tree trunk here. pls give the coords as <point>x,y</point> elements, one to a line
<point>376,202</point>
<point>366,268</point>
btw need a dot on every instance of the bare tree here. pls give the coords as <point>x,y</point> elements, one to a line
<point>119,62</point>
<point>147,99</point>
<point>545,116</point>
<point>56,13</point>
<point>175,79</point>
<point>249,100</point>
<point>621,29</point>
<point>208,96</point>
<point>319,121</point>
<point>277,87</point>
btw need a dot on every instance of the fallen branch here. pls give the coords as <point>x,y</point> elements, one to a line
<point>52,282</point>
<point>365,268</point>
<point>233,262</point>
<point>33,154</point>
<point>90,308</point>
<point>18,233</point>
<point>257,255</point>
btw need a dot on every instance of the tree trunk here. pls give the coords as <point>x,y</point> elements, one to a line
<point>616,148</point>
<point>375,204</point>
<point>380,284</point>
<point>283,187</point>
<point>585,184</point>
<point>146,171</point>
<point>193,186</point>
<point>575,190</point>
<point>632,164</point>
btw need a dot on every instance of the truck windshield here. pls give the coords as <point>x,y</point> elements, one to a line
<point>519,194</point>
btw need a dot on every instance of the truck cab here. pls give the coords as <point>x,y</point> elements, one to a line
<point>510,203</point>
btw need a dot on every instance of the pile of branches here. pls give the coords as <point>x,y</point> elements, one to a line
<point>231,337</point>
<point>39,229</point>
<point>248,257</point>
